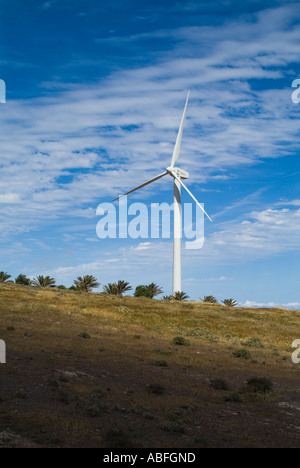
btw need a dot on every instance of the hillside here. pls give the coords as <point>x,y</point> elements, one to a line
<point>90,370</point>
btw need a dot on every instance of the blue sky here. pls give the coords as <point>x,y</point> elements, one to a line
<point>95,92</point>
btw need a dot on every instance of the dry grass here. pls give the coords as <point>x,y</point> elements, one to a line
<point>42,331</point>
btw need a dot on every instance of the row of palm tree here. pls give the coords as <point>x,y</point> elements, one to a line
<point>89,282</point>
<point>212,300</point>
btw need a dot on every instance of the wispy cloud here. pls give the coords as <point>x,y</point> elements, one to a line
<point>260,235</point>
<point>142,246</point>
<point>88,143</point>
<point>289,305</point>
<point>288,203</point>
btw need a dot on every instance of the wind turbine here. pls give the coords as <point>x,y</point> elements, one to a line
<point>177,174</point>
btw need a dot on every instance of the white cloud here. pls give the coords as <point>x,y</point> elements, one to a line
<point>288,203</point>
<point>110,129</point>
<point>289,305</point>
<point>262,234</point>
<point>9,198</point>
<point>142,246</point>
<point>220,278</point>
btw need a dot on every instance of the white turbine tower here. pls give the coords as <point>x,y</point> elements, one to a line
<point>177,175</point>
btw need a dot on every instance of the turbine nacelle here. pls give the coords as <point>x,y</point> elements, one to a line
<point>179,172</point>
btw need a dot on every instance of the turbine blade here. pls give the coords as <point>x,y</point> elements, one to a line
<point>176,151</point>
<point>190,193</point>
<point>143,185</point>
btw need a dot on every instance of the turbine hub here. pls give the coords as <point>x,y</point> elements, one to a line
<point>179,172</point>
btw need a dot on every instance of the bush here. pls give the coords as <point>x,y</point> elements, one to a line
<point>97,393</point>
<point>117,438</point>
<point>63,378</point>
<point>161,363</point>
<point>94,406</point>
<point>173,427</point>
<point>156,388</point>
<point>219,384</point>
<point>259,385</point>
<point>161,351</point>
<point>84,335</point>
<point>21,394</point>
<point>23,280</point>
<point>149,291</point>
<point>93,410</point>
<point>63,398</point>
<point>254,342</point>
<point>233,398</point>
<point>242,354</point>
<point>180,341</point>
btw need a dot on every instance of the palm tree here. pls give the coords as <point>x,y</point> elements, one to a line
<point>86,283</point>
<point>154,290</point>
<point>111,288</point>
<point>43,282</point>
<point>180,296</point>
<point>4,276</point>
<point>210,299</point>
<point>167,298</point>
<point>122,287</point>
<point>230,302</point>
<point>23,280</point>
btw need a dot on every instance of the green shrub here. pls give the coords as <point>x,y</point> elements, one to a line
<point>63,398</point>
<point>117,438</point>
<point>84,335</point>
<point>219,384</point>
<point>173,427</point>
<point>259,385</point>
<point>93,411</point>
<point>254,342</point>
<point>161,351</point>
<point>233,397</point>
<point>21,394</point>
<point>52,383</point>
<point>161,363</point>
<point>63,378</point>
<point>242,354</point>
<point>97,393</point>
<point>180,341</point>
<point>94,406</point>
<point>156,388</point>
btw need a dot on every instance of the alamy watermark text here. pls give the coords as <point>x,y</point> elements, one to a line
<point>2,92</point>
<point>141,221</point>
<point>296,353</point>
<point>296,94</point>
<point>2,352</point>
